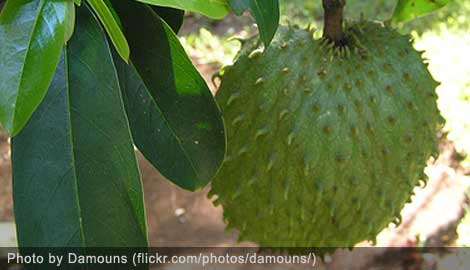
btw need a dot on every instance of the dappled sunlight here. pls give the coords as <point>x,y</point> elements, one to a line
<point>448,52</point>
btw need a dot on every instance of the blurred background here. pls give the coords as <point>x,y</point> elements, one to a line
<point>439,214</point>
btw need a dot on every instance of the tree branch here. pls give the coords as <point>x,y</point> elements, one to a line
<point>333,21</point>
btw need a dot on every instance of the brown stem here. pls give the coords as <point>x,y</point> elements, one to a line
<point>333,28</point>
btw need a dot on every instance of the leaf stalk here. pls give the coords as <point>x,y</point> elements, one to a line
<point>333,21</point>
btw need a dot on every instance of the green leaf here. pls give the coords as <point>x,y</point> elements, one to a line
<point>69,20</point>
<point>174,118</point>
<point>266,13</point>
<point>172,16</point>
<point>31,39</point>
<point>216,9</point>
<point>76,182</point>
<point>113,12</point>
<point>112,27</point>
<point>239,6</point>
<point>410,9</point>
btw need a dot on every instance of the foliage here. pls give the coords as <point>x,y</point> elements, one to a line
<point>77,107</point>
<point>407,10</point>
<point>31,37</point>
<point>110,23</point>
<point>82,167</point>
<point>211,8</point>
<point>173,96</point>
<point>454,17</point>
<point>266,13</point>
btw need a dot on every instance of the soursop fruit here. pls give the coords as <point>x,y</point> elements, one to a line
<point>324,144</point>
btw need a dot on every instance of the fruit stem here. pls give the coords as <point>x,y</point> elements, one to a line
<point>333,21</point>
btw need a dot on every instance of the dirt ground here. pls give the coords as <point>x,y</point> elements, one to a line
<point>6,203</point>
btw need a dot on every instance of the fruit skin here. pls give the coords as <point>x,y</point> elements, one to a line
<point>325,145</point>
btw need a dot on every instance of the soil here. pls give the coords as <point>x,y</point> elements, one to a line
<point>6,201</point>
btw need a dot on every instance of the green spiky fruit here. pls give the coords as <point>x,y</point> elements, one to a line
<point>325,144</point>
